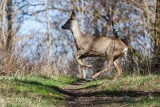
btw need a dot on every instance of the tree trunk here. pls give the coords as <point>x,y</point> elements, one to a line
<point>49,32</point>
<point>3,21</point>
<point>81,69</point>
<point>157,31</point>
<point>9,44</point>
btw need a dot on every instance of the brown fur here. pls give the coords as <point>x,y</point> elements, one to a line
<point>91,46</point>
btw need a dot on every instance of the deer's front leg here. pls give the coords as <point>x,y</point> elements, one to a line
<point>78,55</point>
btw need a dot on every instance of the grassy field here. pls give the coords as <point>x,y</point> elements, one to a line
<point>129,91</point>
<point>32,91</point>
<point>39,91</point>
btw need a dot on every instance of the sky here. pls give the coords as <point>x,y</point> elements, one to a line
<point>37,25</point>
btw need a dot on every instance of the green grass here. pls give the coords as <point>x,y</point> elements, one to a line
<point>42,91</point>
<point>20,91</point>
<point>147,83</point>
<point>131,91</point>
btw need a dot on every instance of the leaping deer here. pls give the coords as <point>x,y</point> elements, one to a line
<point>91,46</point>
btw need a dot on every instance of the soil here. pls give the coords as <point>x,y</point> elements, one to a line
<point>75,96</point>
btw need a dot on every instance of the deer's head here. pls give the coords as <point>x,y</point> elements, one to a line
<point>72,21</point>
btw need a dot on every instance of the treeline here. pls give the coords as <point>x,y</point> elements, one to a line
<point>32,41</point>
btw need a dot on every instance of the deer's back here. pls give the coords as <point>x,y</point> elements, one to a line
<point>102,42</point>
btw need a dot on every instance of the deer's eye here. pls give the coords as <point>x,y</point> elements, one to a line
<point>71,19</point>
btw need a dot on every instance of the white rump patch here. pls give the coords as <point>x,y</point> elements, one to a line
<point>125,51</point>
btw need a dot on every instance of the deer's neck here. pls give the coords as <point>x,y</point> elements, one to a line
<point>76,32</point>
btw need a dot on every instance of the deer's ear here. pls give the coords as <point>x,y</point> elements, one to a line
<point>73,15</point>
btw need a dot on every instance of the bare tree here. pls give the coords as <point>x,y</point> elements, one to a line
<point>24,25</point>
<point>10,36</point>
<point>49,33</point>
<point>3,21</point>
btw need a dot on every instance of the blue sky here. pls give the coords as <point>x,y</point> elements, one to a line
<point>38,24</point>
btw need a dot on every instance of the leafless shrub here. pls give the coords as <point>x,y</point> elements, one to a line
<point>46,50</point>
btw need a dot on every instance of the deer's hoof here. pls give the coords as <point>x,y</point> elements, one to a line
<point>113,81</point>
<point>88,66</point>
<point>95,76</point>
<point>89,79</point>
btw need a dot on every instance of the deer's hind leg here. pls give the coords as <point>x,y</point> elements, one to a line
<point>107,68</point>
<point>118,70</point>
<point>79,56</point>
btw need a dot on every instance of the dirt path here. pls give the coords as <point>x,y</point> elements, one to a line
<point>75,96</point>
<point>88,97</point>
<point>82,97</point>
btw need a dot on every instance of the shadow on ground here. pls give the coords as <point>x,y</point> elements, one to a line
<point>85,97</point>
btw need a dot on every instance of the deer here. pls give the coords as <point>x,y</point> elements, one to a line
<point>96,46</point>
